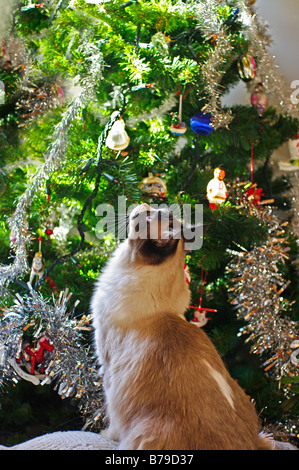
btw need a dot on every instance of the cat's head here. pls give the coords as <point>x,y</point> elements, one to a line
<point>156,234</point>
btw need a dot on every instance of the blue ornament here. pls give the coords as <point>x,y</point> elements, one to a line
<point>200,123</point>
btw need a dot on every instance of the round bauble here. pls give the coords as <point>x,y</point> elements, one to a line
<point>201,123</point>
<point>153,185</point>
<point>246,68</point>
<point>259,99</point>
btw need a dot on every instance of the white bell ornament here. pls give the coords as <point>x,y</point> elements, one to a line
<point>117,138</point>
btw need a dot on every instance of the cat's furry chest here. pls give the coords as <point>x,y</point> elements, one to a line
<point>127,292</point>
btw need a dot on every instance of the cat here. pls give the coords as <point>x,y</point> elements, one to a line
<point>166,387</point>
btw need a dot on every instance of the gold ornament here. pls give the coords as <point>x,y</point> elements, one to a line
<point>153,185</point>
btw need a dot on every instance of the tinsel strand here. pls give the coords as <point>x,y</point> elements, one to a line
<point>54,159</point>
<point>278,91</point>
<point>256,288</point>
<point>70,366</point>
<point>213,68</point>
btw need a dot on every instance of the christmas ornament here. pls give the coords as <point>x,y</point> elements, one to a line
<point>259,99</point>
<point>246,68</point>
<point>293,146</point>
<point>200,318</point>
<point>216,189</point>
<point>52,284</point>
<point>38,267</point>
<point>32,359</point>
<point>248,196</point>
<point>49,228</point>
<point>35,380</point>
<point>69,365</point>
<point>201,123</point>
<point>153,185</point>
<point>117,138</point>
<point>254,195</point>
<point>187,274</point>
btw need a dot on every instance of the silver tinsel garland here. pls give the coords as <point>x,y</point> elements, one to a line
<point>276,88</point>
<point>220,58</point>
<point>54,159</point>
<point>256,287</point>
<point>70,366</point>
<point>213,69</point>
<point>18,222</point>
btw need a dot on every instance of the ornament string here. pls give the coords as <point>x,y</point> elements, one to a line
<point>181,98</point>
<point>202,285</point>
<point>203,281</point>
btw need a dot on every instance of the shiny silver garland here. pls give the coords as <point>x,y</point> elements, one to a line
<point>54,159</point>
<point>70,366</point>
<point>213,69</point>
<point>256,286</point>
<point>275,86</point>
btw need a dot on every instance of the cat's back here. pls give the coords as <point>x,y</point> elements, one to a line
<point>181,389</point>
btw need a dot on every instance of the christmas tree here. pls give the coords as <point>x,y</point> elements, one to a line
<point>109,104</point>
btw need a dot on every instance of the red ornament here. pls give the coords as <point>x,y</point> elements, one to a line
<point>200,318</point>
<point>37,354</point>
<point>187,274</point>
<point>49,229</point>
<point>53,286</point>
<point>254,195</point>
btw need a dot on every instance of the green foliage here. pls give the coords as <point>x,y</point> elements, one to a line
<point>148,42</point>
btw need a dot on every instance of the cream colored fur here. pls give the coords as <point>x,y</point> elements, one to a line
<point>166,386</point>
